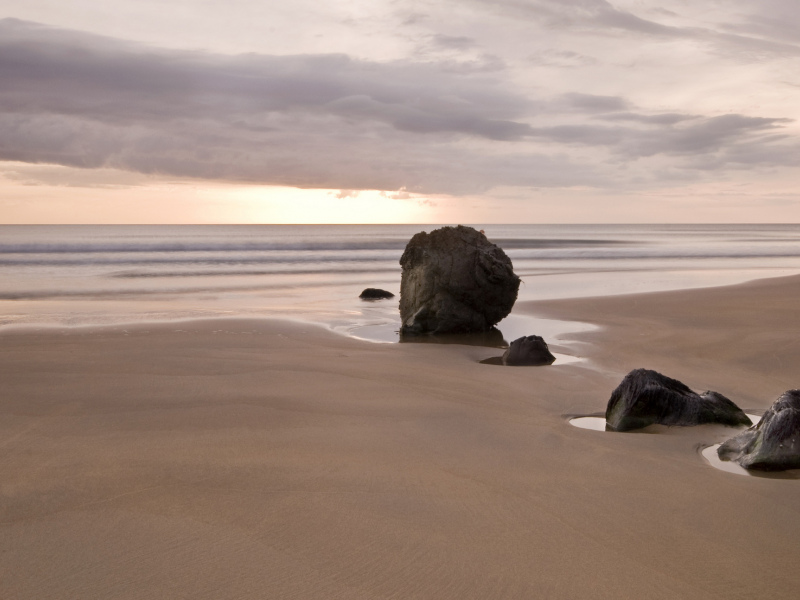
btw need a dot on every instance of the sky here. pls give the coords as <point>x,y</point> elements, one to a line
<point>415,111</point>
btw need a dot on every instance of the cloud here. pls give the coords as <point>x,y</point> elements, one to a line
<point>336,122</point>
<point>755,36</point>
<point>563,59</point>
<point>453,42</point>
<point>593,104</point>
<point>342,194</point>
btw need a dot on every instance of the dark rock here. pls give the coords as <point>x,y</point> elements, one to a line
<point>375,294</point>
<point>773,444</point>
<point>528,351</point>
<point>646,398</point>
<point>454,281</point>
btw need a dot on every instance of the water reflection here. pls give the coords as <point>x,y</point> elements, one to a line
<point>386,330</point>
<point>561,359</point>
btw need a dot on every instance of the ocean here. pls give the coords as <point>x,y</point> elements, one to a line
<point>117,274</point>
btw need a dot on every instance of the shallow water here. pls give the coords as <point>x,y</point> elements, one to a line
<point>75,275</point>
<point>712,458</point>
<point>599,423</point>
<point>508,330</point>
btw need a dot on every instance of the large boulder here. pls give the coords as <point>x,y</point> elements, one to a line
<point>454,281</point>
<point>773,444</point>
<point>646,398</point>
<point>531,350</point>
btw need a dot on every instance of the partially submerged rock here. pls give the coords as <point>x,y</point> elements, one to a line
<point>646,398</point>
<point>375,294</point>
<point>454,281</point>
<point>531,350</point>
<point>773,444</point>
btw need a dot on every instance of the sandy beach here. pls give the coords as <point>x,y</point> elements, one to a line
<point>238,458</point>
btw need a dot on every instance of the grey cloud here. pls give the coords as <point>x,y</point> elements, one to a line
<point>764,36</point>
<point>660,10</point>
<point>310,121</point>
<point>591,103</point>
<point>46,71</point>
<point>453,42</point>
<point>327,121</point>
<point>657,119</point>
<point>704,136</point>
<point>774,19</point>
<point>674,135</point>
<point>561,59</point>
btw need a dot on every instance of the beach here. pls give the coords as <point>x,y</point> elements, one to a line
<point>267,458</point>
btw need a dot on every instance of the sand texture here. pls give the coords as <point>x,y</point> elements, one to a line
<point>270,459</point>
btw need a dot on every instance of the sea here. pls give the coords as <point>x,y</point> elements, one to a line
<point>77,275</point>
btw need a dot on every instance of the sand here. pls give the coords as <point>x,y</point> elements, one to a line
<point>274,459</point>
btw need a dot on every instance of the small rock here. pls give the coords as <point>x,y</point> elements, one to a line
<point>773,444</point>
<point>375,294</point>
<point>528,351</point>
<point>647,397</point>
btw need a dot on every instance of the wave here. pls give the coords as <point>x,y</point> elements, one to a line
<point>167,274</point>
<point>66,294</point>
<point>210,260</point>
<point>284,246</point>
<point>516,254</point>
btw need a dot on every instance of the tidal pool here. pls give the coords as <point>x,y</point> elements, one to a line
<point>597,423</point>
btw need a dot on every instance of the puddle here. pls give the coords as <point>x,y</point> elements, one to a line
<point>594,423</point>
<point>712,458</point>
<point>509,329</point>
<point>597,423</point>
<point>561,359</point>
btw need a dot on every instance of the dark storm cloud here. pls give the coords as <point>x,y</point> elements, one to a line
<point>327,121</point>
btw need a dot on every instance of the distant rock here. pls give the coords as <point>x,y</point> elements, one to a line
<point>646,398</point>
<point>375,294</point>
<point>528,351</point>
<point>454,281</point>
<point>773,444</point>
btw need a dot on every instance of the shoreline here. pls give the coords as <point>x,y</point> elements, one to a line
<point>294,461</point>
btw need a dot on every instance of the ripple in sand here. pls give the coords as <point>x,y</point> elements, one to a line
<point>599,424</point>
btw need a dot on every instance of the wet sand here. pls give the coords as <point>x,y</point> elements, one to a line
<point>271,459</point>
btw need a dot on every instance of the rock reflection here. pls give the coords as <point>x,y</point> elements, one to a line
<point>491,339</point>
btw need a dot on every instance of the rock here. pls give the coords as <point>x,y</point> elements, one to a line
<point>531,351</point>
<point>375,294</point>
<point>773,444</point>
<point>646,397</point>
<point>454,281</point>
